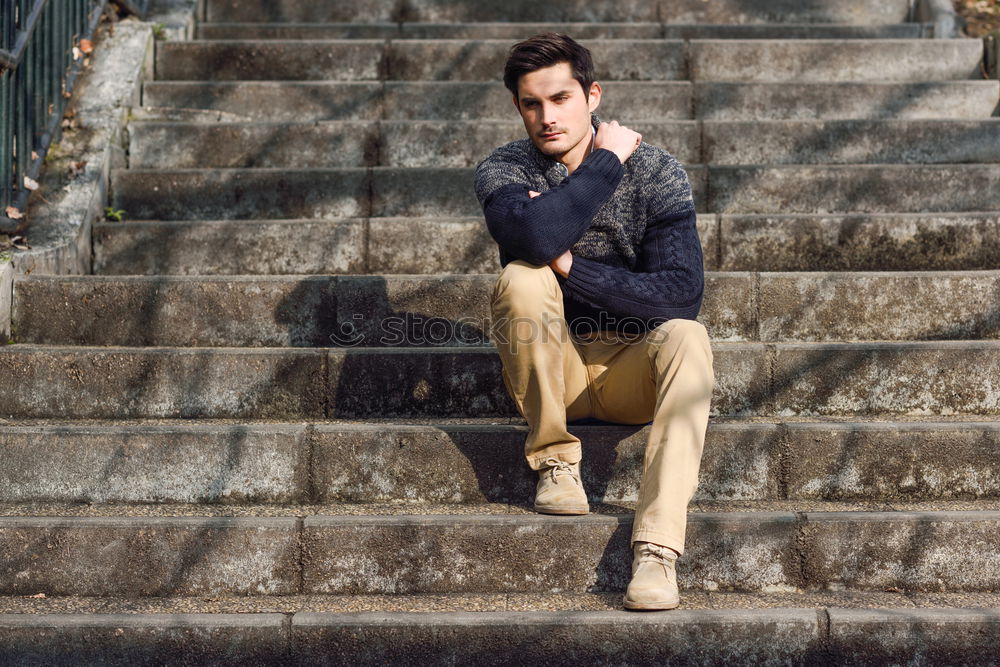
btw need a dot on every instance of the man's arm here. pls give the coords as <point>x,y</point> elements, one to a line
<point>539,229</point>
<point>668,284</point>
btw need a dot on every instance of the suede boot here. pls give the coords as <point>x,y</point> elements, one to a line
<point>560,489</point>
<point>654,579</point>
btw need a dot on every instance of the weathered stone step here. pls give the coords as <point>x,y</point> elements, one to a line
<point>362,555</point>
<point>322,463</point>
<point>603,30</point>
<point>445,309</point>
<point>205,194</point>
<point>173,145</point>
<point>630,101</point>
<point>466,11</point>
<point>786,60</point>
<point>822,189</point>
<point>749,635</point>
<point>903,241</point>
<point>422,605</point>
<point>406,60</point>
<point>354,143</point>
<point>832,101</point>
<point>747,61</point>
<point>786,379</point>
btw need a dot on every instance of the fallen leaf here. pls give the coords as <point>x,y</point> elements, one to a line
<point>77,53</point>
<point>76,168</point>
<point>37,595</point>
<point>13,213</point>
<point>30,184</point>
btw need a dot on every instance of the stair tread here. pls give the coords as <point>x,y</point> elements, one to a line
<point>985,509</point>
<point>503,602</point>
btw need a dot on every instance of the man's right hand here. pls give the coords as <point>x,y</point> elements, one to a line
<point>618,139</point>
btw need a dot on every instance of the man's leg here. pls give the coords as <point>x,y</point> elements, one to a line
<point>542,368</point>
<point>668,377</point>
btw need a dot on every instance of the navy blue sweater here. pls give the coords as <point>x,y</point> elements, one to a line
<point>637,258</point>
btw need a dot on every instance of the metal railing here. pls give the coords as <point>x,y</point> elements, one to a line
<point>37,72</point>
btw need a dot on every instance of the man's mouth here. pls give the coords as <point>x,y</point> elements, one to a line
<point>550,135</point>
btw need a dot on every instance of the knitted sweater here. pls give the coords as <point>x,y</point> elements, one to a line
<point>637,258</point>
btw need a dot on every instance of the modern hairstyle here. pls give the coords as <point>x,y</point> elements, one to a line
<point>545,50</point>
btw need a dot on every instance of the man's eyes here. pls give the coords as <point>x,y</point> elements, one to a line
<point>557,99</point>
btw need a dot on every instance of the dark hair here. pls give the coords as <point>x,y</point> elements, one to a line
<point>544,50</point>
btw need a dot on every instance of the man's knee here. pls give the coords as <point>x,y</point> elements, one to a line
<point>520,282</point>
<point>677,332</point>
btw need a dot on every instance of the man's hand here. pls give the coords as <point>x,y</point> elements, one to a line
<point>561,263</point>
<point>618,139</point>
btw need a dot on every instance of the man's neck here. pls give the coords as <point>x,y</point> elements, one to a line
<point>570,162</point>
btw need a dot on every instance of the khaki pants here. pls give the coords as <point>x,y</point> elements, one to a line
<point>664,375</point>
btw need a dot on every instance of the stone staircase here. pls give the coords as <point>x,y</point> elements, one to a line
<point>217,451</point>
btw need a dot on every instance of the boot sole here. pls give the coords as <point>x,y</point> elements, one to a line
<point>651,606</point>
<point>562,510</point>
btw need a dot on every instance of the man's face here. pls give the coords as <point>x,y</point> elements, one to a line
<point>555,110</point>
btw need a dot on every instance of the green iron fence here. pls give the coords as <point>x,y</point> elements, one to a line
<point>37,72</point>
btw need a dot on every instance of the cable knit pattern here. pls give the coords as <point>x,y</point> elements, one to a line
<point>631,228</point>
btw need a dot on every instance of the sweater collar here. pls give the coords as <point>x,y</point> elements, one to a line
<point>554,170</point>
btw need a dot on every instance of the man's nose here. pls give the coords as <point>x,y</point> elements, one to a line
<point>548,115</point>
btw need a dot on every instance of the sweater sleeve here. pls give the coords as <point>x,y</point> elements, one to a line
<point>669,278</point>
<point>540,229</point>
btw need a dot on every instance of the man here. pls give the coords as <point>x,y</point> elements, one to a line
<point>594,309</point>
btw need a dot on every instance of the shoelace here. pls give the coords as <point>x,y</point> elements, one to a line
<point>655,552</point>
<point>557,467</point>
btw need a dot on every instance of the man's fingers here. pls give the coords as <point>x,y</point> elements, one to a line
<point>533,194</point>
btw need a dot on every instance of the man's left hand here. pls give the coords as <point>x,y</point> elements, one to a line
<point>563,262</point>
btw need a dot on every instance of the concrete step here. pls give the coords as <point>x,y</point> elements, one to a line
<point>423,606</point>
<point>178,145</point>
<point>821,61</point>
<point>744,61</point>
<point>885,241</point>
<point>468,11</point>
<point>885,141</point>
<point>402,552</point>
<point>749,635</point>
<point>355,143</point>
<point>406,60</point>
<point>823,189</point>
<point>875,242</point>
<point>324,463</point>
<point>204,194</point>
<point>445,309</point>
<point>834,101</point>
<point>630,101</point>
<point>603,30</point>
<point>786,379</point>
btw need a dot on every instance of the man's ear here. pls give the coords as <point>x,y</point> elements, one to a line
<point>594,98</point>
<point>516,105</point>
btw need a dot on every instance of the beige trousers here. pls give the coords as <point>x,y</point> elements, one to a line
<point>664,375</point>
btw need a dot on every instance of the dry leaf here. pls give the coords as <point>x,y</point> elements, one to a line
<point>86,45</point>
<point>77,53</point>
<point>38,595</point>
<point>13,213</point>
<point>30,184</point>
<point>76,168</point>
